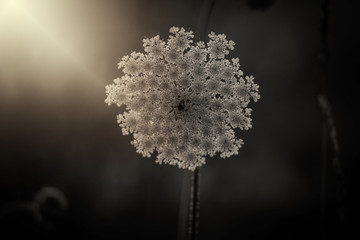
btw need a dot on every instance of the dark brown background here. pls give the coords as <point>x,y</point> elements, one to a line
<point>55,129</point>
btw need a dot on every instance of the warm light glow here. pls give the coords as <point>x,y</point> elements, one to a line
<point>10,6</point>
<point>37,33</point>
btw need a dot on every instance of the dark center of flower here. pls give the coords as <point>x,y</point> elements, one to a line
<point>183,105</point>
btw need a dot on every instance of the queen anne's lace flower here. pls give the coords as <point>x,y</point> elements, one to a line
<point>183,100</point>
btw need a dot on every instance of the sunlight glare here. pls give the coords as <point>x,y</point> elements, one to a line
<point>29,30</point>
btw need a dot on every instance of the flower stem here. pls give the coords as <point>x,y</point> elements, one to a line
<point>323,179</point>
<point>194,206</point>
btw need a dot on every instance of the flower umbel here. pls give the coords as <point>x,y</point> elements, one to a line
<point>183,99</point>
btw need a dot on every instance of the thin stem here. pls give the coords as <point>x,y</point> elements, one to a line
<point>323,179</point>
<point>194,206</point>
<point>330,133</point>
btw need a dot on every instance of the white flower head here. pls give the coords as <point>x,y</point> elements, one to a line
<point>183,99</point>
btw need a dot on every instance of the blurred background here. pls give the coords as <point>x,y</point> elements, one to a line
<point>67,171</point>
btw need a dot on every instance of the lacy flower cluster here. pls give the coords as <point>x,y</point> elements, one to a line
<point>183,99</point>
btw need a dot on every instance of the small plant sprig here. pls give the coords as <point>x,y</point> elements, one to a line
<point>183,99</point>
